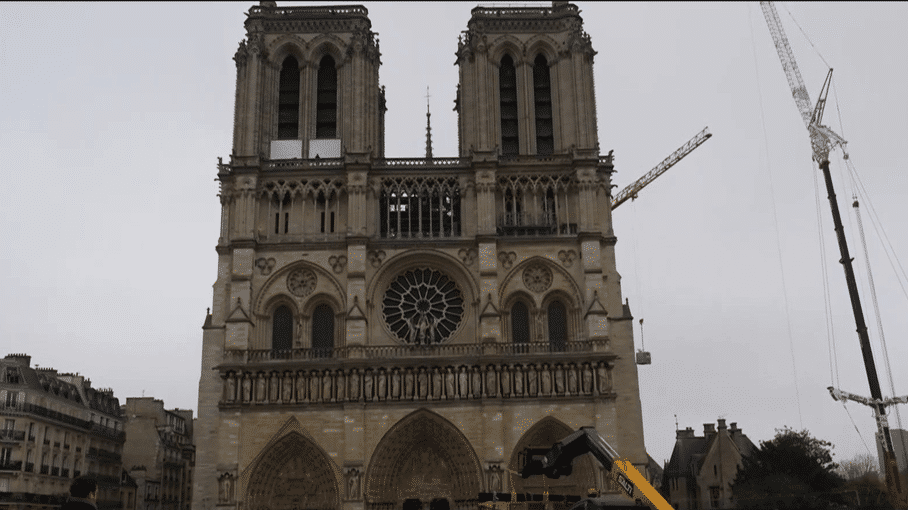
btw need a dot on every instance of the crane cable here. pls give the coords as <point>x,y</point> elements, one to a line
<point>775,218</point>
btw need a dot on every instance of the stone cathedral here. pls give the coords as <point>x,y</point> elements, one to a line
<point>390,333</point>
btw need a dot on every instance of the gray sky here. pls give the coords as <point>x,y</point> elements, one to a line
<point>112,117</point>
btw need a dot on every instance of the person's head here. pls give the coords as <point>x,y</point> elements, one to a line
<point>84,487</point>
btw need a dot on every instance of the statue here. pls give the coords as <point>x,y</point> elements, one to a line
<point>382,384</point>
<point>273,387</point>
<point>422,381</point>
<point>518,381</point>
<point>260,395</point>
<point>326,387</point>
<point>532,387</point>
<point>602,378</point>
<point>313,387</point>
<point>495,478</point>
<point>464,385</point>
<point>301,387</point>
<point>339,385</point>
<point>408,383</point>
<point>476,382</point>
<point>353,485</point>
<point>354,385</point>
<point>436,383</point>
<point>572,379</point>
<point>395,384</point>
<point>231,387</point>
<point>505,381</point>
<point>559,379</point>
<point>587,379</point>
<point>287,387</point>
<point>546,380</point>
<point>491,382</point>
<point>450,384</point>
<point>368,382</point>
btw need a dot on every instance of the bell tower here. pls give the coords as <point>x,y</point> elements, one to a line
<point>307,85</point>
<point>526,82</point>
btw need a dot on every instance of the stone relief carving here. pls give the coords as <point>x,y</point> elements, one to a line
<point>337,263</point>
<point>507,258</point>
<point>494,474</point>
<point>225,488</point>
<point>467,256</point>
<point>537,278</point>
<point>265,265</point>
<point>353,484</point>
<point>567,257</point>
<point>301,282</point>
<point>376,257</point>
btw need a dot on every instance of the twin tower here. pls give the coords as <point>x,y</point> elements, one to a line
<point>391,333</point>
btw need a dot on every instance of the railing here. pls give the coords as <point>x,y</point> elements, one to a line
<point>15,465</point>
<point>341,10</point>
<point>408,351</point>
<point>12,435</point>
<point>25,407</point>
<point>301,164</point>
<point>420,162</point>
<point>106,455</point>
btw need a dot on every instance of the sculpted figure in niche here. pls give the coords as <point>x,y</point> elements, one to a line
<point>572,379</point>
<point>339,385</point>
<point>546,380</point>
<point>462,388</point>
<point>495,478</point>
<point>518,381</point>
<point>287,387</point>
<point>422,380</point>
<point>382,384</point>
<point>559,380</point>
<point>326,386</point>
<point>395,384</point>
<point>602,379</point>
<point>587,379</point>
<point>491,382</point>
<point>532,380</point>
<point>408,383</point>
<point>230,387</point>
<point>368,382</point>
<point>273,387</point>
<point>476,382</point>
<point>314,384</point>
<point>354,385</point>
<point>300,387</point>
<point>436,383</point>
<point>450,384</point>
<point>260,387</point>
<point>353,485</point>
<point>505,381</point>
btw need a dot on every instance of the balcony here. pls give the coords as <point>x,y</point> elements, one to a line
<point>527,224</point>
<point>45,470</point>
<point>12,436</point>
<point>11,465</point>
<point>30,467</point>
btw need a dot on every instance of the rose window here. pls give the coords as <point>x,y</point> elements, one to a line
<point>423,307</point>
<point>301,282</point>
<point>537,278</point>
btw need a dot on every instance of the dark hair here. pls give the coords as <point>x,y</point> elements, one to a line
<point>82,487</point>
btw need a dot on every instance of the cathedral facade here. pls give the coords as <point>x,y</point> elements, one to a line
<point>390,333</point>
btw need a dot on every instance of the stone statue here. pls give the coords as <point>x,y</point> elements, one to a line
<point>225,492</point>
<point>436,383</point>
<point>559,379</point>
<point>231,387</point>
<point>518,381</point>
<point>495,478</point>
<point>462,388</point>
<point>450,384</point>
<point>546,380</point>
<point>354,385</point>
<point>260,387</point>
<point>476,382</point>
<point>505,379</point>
<point>368,382</point>
<point>382,384</point>
<point>339,385</point>
<point>602,379</point>
<point>353,485</point>
<point>301,387</point>
<point>532,380</point>
<point>422,381</point>
<point>314,387</point>
<point>587,379</point>
<point>395,384</point>
<point>408,384</point>
<point>274,387</point>
<point>572,379</point>
<point>287,387</point>
<point>491,381</point>
<point>326,386</point>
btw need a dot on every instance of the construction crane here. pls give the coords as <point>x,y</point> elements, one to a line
<point>631,191</point>
<point>822,141</point>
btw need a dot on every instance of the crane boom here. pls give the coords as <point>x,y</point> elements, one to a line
<point>789,64</point>
<point>632,190</point>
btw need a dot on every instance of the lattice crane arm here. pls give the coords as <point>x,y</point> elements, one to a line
<point>789,64</point>
<point>632,190</point>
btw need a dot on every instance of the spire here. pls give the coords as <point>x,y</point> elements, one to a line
<point>428,128</point>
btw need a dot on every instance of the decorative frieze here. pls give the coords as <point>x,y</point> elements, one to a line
<point>418,383</point>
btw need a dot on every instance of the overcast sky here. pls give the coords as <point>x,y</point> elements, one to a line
<point>112,117</point>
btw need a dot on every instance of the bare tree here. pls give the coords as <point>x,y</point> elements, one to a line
<point>859,466</point>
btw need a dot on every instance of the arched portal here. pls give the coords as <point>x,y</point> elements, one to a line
<point>544,434</point>
<point>294,474</point>
<point>423,462</point>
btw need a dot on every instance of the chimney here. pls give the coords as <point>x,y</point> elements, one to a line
<point>708,429</point>
<point>687,433</point>
<point>722,424</point>
<point>734,428</point>
<point>22,359</point>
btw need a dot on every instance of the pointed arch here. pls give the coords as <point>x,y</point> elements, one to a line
<point>292,471</point>
<point>508,106</point>
<point>544,434</point>
<point>423,456</point>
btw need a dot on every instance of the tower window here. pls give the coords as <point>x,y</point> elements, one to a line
<point>288,109</point>
<point>520,326</point>
<point>326,101</point>
<point>322,331</point>
<point>507,82</point>
<point>557,326</point>
<point>542,95</point>
<point>282,329</point>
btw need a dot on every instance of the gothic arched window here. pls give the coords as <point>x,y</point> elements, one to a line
<point>542,95</point>
<point>322,331</point>
<point>326,99</point>
<point>507,83</point>
<point>557,326</point>
<point>288,108</point>
<point>520,326</point>
<point>282,329</point>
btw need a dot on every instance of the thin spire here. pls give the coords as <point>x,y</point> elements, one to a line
<point>428,127</point>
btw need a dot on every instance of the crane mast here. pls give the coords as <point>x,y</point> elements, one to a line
<point>823,140</point>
